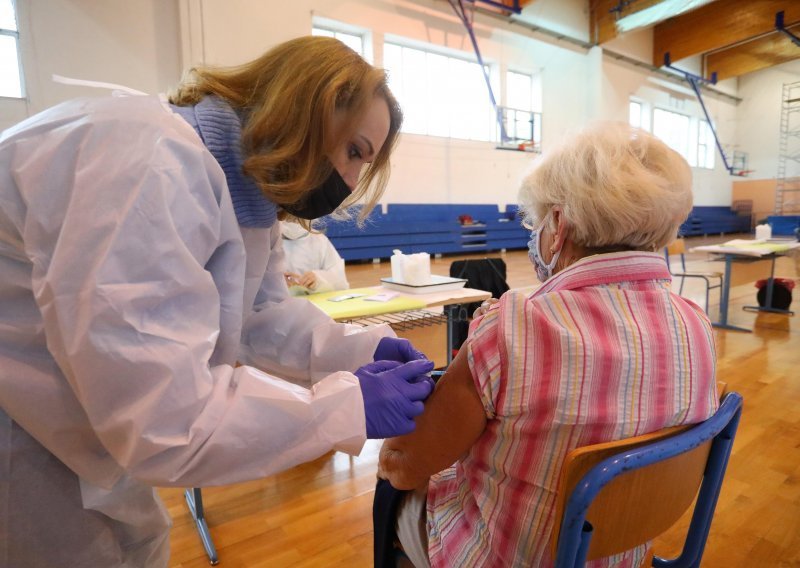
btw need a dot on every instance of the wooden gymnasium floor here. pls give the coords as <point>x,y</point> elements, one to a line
<point>319,514</point>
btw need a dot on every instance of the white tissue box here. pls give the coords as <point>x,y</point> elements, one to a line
<point>413,269</point>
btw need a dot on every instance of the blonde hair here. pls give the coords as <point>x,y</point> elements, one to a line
<point>617,186</point>
<point>289,97</point>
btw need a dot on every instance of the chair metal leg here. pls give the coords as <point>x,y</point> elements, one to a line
<point>194,499</point>
<point>452,313</point>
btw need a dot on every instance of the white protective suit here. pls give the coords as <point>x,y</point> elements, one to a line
<point>126,285</point>
<point>313,252</point>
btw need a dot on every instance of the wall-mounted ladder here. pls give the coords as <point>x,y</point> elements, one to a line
<point>787,182</point>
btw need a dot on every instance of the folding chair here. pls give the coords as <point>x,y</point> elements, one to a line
<point>618,495</point>
<point>678,247</point>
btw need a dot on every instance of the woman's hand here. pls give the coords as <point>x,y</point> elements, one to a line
<point>309,280</point>
<point>292,279</point>
<point>484,307</point>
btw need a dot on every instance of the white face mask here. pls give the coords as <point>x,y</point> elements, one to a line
<point>543,270</point>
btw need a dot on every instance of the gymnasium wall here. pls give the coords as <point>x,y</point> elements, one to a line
<point>145,44</point>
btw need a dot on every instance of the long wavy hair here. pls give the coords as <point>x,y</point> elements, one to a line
<point>288,98</point>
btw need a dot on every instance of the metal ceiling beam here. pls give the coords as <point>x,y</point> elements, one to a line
<point>761,53</point>
<point>781,28</point>
<point>719,25</point>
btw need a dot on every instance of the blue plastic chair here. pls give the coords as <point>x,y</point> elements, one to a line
<point>643,488</point>
<point>678,247</point>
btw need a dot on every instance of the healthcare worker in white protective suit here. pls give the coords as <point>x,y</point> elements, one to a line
<point>314,265</point>
<point>140,260</point>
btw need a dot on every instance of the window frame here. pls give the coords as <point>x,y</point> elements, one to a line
<point>688,150</point>
<point>632,102</point>
<point>709,144</point>
<point>461,57</point>
<point>336,27</point>
<point>15,34</point>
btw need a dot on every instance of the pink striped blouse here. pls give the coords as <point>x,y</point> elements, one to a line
<point>602,351</point>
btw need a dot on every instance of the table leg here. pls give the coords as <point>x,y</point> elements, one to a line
<point>194,499</point>
<point>724,298</point>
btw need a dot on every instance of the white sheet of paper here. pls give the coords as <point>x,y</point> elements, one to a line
<point>383,297</point>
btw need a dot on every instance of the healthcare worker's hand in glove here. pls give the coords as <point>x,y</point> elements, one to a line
<point>393,395</point>
<point>397,349</point>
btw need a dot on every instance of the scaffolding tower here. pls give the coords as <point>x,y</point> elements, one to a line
<point>787,186</point>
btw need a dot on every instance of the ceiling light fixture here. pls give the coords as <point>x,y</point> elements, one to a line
<point>657,13</point>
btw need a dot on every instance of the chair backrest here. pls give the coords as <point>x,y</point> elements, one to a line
<point>487,274</point>
<point>617,495</point>
<point>678,246</point>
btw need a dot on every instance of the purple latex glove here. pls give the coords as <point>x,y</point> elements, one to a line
<point>393,395</point>
<point>397,349</point>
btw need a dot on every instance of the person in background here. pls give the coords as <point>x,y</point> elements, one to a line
<point>314,266</point>
<point>602,351</point>
<point>146,333</point>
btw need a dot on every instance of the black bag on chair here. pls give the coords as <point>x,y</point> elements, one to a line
<point>781,293</point>
<point>487,274</point>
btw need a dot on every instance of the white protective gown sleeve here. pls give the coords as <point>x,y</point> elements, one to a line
<point>282,331</point>
<point>123,282</point>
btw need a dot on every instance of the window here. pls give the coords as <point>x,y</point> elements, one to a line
<point>352,40</point>
<point>635,114</point>
<point>705,146</point>
<point>673,129</point>
<point>440,95</point>
<point>10,68</point>
<point>519,91</point>
<point>523,119</point>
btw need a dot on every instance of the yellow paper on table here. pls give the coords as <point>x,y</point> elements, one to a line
<point>761,246</point>
<point>358,306</point>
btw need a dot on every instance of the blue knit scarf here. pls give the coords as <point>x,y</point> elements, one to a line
<point>220,128</point>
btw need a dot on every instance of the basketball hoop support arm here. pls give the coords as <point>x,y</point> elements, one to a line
<point>458,8</point>
<point>695,81</point>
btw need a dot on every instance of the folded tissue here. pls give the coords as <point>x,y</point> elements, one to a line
<point>412,269</point>
<point>763,232</point>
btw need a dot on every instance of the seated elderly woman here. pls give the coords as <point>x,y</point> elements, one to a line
<point>603,350</point>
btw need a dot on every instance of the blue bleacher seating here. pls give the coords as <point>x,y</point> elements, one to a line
<point>784,225</point>
<point>435,228</point>
<point>432,228</point>
<point>710,220</point>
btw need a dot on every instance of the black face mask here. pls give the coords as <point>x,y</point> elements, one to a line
<point>321,200</point>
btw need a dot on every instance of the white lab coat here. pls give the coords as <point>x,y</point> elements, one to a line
<point>313,252</point>
<point>126,286</point>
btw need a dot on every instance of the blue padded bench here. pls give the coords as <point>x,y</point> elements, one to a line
<point>784,225</point>
<point>381,234</point>
<point>707,220</point>
<point>432,228</point>
<point>490,230</point>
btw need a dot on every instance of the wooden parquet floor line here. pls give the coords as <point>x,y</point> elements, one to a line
<point>319,514</point>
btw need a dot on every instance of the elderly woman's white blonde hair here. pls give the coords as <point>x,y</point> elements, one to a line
<point>617,186</point>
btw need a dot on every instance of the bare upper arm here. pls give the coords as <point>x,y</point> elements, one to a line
<point>453,420</point>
